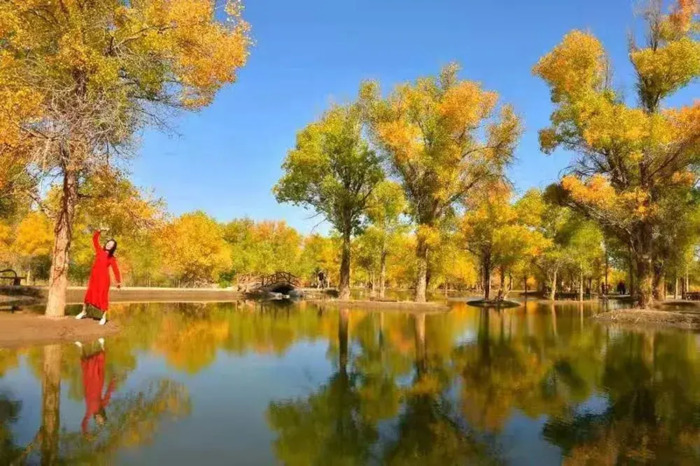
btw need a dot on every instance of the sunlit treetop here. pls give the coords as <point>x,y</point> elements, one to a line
<point>443,136</point>
<point>92,72</point>
<point>627,154</point>
<point>576,67</point>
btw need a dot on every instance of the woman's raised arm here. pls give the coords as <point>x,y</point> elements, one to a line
<point>96,240</point>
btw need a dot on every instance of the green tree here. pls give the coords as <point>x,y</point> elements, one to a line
<point>334,171</point>
<point>387,206</point>
<point>443,140</point>
<point>584,249</point>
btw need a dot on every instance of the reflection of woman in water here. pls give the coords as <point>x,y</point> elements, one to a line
<point>97,294</point>
<point>93,368</point>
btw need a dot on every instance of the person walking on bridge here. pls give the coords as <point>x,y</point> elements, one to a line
<point>97,294</point>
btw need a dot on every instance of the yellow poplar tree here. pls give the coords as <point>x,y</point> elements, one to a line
<point>443,138</point>
<point>193,249</point>
<point>631,158</point>
<point>78,79</point>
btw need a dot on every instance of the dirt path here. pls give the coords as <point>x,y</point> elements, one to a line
<point>26,329</point>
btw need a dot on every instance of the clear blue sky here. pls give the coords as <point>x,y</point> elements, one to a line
<point>309,53</point>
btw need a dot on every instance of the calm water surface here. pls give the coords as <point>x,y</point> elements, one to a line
<point>302,385</point>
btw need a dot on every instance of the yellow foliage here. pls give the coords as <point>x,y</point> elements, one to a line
<point>670,67</point>
<point>5,241</point>
<point>575,67</point>
<point>597,191</point>
<point>194,249</point>
<point>34,235</point>
<point>637,165</point>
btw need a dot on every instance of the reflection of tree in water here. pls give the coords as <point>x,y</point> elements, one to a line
<point>430,430</point>
<point>9,413</point>
<point>327,427</point>
<point>515,364</point>
<point>653,411</point>
<point>338,424</point>
<point>133,419</point>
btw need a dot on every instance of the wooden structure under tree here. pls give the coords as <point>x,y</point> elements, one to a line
<point>11,276</point>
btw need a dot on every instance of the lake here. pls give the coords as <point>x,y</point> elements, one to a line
<point>253,384</point>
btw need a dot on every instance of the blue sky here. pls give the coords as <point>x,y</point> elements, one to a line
<point>308,53</point>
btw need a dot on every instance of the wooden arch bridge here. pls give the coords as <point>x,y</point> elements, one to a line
<point>278,282</point>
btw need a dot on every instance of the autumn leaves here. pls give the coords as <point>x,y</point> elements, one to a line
<point>79,79</point>
<point>442,139</point>
<point>78,82</point>
<point>637,164</point>
<point>439,138</point>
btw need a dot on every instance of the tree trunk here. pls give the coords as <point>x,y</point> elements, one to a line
<point>580,286</point>
<point>373,284</point>
<point>675,287</point>
<point>422,279</point>
<point>632,290</point>
<point>659,284</point>
<point>659,280</point>
<point>382,272</point>
<point>502,283</point>
<point>607,270</point>
<point>553,292</point>
<point>486,277</point>
<point>344,283</point>
<point>645,279</point>
<point>58,278</point>
<point>50,404</point>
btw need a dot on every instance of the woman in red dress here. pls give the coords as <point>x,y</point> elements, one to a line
<point>97,294</point>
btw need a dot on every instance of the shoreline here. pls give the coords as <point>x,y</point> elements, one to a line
<point>23,329</point>
<point>649,318</point>
<point>406,306</point>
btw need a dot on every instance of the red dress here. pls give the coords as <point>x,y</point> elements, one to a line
<point>93,380</point>
<point>97,294</point>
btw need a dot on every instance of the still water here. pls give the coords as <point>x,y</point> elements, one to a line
<point>252,384</point>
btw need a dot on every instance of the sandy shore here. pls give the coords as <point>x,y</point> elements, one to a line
<point>406,306</point>
<point>75,294</point>
<point>650,318</point>
<point>26,329</point>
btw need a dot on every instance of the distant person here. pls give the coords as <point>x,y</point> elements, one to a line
<point>97,294</point>
<point>321,279</point>
<point>621,289</point>
<point>92,365</point>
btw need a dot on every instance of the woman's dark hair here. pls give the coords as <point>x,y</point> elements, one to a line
<point>111,251</point>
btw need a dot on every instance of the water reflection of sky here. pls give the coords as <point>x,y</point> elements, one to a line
<point>512,386</point>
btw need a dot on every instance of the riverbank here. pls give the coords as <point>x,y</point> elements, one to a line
<point>405,306</point>
<point>76,294</point>
<point>25,329</point>
<point>650,318</point>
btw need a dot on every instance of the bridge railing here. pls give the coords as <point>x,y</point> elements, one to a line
<point>280,277</point>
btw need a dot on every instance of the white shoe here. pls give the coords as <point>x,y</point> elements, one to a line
<point>103,320</point>
<point>78,344</point>
<point>81,315</point>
